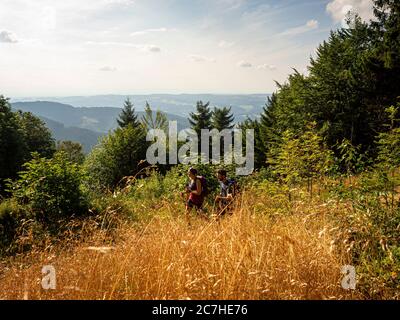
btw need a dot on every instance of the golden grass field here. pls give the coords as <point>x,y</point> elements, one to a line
<point>248,255</point>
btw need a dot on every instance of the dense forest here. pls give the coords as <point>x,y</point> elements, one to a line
<point>326,180</point>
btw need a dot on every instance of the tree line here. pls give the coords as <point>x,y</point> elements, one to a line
<point>353,79</point>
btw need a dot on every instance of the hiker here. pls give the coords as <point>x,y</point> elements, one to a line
<point>196,191</point>
<point>228,190</point>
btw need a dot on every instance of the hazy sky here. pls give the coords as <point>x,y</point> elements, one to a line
<point>87,47</point>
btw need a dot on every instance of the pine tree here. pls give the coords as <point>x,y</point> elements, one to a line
<point>201,119</point>
<point>268,129</point>
<point>128,115</point>
<point>260,157</point>
<point>222,118</point>
<point>148,121</point>
<point>387,26</point>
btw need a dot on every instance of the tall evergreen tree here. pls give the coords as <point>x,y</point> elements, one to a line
<point>201,119</point>
<point>128,115</point>
<point>149,122</point>
<point>222,118</point>
<point>387,26</point>
<point>268,131</point>
<point>260,157</point>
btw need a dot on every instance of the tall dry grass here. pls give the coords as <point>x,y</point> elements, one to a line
<point>248,255</point>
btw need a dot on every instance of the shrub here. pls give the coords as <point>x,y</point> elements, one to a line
<point>370,233</point>
<point>12,219</point>
<point>118,155</point>
<point>7,224</point>
<point>74,150</point>
<point>51,188</point>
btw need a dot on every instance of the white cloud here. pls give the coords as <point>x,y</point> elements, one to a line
<point>108,69</point>
<point>119,2</point>
<point>197,58</point>
<point>148,31</point>
<point>113,43</point>
<point>244,64</point>
<point>267,67</point>
<point>142,47</point>
<point>49,18</point>
<point>225,44</point>
<point>151,48</point>
<point>232,4</point>
<point>310,25</point>
<point>338,9</point>
<point>7,37</point>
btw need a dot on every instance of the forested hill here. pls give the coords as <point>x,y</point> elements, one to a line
<point>101,119</point>
<point>87,138</point>
<point>243,106</point>
<point>83,125</point>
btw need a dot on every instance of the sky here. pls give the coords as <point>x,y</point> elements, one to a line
<point>90,47</point>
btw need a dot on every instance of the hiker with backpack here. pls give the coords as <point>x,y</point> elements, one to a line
<point>196,191</point>
<point>228,190</point>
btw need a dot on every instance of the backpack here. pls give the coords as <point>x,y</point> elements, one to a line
<point>204,187</point>
<point>232,183</point>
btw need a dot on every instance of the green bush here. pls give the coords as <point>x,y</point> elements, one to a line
<point>170,185</point>
<point>51,188</point>
<point>12,216</point>
<point>371,232</point>
<point>8,224</point>
<point>119,154</point>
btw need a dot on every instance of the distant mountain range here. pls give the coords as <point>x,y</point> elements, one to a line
<point>86,119</point>
<point>84,125</point>
<point>243,106</point>
<point>87,138</point>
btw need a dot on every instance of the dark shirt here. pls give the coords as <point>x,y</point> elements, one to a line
<point>196,199</point>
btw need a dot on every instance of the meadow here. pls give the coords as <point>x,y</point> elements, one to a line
<point>271,247</point>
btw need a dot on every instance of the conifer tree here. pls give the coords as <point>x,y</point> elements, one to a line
<point>201,119</point>
<point>149,122</point>
<point>128,115</point>
<point>260,157</point>
<point>222,119</point>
